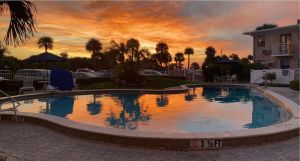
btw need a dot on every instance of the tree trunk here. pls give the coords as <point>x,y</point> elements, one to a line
<point>46,48</point>
<point>188,61</point>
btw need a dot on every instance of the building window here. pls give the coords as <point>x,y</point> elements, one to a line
<point>261,41</point>
<point>285,63</point>
<point>286,38</point>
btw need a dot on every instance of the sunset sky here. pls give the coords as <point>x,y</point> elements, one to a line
<point>180,24</point>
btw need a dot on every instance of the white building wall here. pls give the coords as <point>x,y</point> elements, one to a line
<point>283,76</point>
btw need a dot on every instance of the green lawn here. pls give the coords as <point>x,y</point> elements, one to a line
<point>152,83</point>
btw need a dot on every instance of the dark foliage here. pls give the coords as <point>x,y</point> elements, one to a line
<point>265,26</point>
<point>294,85</point>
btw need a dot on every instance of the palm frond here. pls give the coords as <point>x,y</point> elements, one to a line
<point>22,22</point>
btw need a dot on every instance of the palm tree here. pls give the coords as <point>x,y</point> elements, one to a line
<point>46,42</point>
<point>179,57</point>
<point>122,50</point>
<point>234,57</point>
<point>210,58</point>
<point>94,46</point>
<point>22,22</point>
<point>189,51</point>
<point>132,46</point>
<point>163,55</point>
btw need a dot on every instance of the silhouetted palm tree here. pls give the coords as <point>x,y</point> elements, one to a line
<point>22,21</point>
<point>210,58</point>
<point>94,46</point>
<point>179,57</point>
<point>141,54</point>
<point>189,51</point>
<point>132,46</point>
<point>122,50</point>
<point>163,55</point>
<point>46,42</point>
<point>234,57</point>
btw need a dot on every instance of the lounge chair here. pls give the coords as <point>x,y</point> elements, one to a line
<point>27,86</point>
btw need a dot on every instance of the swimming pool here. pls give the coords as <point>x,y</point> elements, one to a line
<point>202,109</point>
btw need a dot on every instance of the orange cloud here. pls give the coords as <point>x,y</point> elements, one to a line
<point>180,24</point>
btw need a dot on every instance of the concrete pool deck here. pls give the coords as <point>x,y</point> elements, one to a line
<point>36,143</point>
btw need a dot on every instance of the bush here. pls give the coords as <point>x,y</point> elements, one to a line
<point>8,85</point>
<point>294,85</point>
<point>128,75</point>
<point>269,77</point>
<point>90,81</point>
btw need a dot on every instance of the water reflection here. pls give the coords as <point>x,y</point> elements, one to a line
<point>162,101</point>
<point>221,109</point>
<point>131,114</point>
<point>264,113</point>
<point>94,107</point>
<point>191,94</point>
<point>59,106</point>
<point>226,95</point>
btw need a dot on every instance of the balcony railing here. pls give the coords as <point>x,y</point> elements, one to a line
<point>282,49</point>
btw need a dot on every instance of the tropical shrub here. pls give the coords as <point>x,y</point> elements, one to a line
<point>8,85</point>
<point>128,75</point>
<point>269,77</point>
<point>294,85</point>
<point>211,70</point>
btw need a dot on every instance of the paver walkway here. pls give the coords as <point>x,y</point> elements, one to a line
<point>37,143</point>
<point>287,92</point>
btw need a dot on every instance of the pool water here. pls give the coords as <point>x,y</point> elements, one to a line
<point>203,109</point>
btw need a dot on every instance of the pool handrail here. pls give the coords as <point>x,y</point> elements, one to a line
<point>14,102</point>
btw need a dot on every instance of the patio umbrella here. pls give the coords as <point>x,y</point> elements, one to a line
<point>45,57</point>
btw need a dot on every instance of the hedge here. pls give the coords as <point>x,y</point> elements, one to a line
<point>294,85</point>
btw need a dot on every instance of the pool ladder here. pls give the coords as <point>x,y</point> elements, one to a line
<point>15,105</point>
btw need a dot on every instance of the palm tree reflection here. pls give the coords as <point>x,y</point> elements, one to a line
<point>191,94</point>
<point>94,107</point>
<point>132,112</point>
<point>162,101</point>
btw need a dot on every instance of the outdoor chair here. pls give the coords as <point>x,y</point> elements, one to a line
<point>27,86</point>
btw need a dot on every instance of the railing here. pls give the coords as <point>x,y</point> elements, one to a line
<point>14,102</point>
<point>282,49</point>
<point>8,76</point>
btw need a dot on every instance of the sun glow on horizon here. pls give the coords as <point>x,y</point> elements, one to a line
<point>183,24</point>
